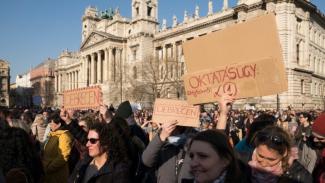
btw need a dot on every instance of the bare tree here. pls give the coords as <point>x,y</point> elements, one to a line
<point>149,84</point>
<point>156,76</point>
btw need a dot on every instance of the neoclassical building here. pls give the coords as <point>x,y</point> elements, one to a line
<point>137,59</point>
<point>4,83</point>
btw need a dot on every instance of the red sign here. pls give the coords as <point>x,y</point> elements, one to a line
<point>82,98</point>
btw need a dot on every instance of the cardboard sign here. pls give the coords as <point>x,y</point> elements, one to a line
<point>250,41</point>
<point>166,110</point>
<point>83,98</point>
<point>240,80</point>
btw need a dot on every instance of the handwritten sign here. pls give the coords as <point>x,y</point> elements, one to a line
<point>239,80</point>
<point>84,98</point>
<point>166,110</point>
<point>241,55</point>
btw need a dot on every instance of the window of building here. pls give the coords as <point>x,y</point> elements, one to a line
<point>302,86</point>
<point>135,74</point>
<point>171,71</point>
<point>149,10</point>
<point>182,68</point>
<point>161,72</point>
<point>169,51</point>
<point>168,92</point>
<point>137,11</point>
<point>320,89</point>
<point>315,89</point>
<point>134,54</point>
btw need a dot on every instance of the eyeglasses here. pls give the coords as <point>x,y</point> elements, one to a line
<point>92,140</point>
<point>263,137</point>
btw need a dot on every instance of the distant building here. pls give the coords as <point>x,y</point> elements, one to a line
<point>42,82</point>
<point>4,83</point>
<point>21,94</point>
<point>135,59</point>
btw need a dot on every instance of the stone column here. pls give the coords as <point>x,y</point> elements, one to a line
<point>74,80</point>
<point>56,83</point>
<point>92,69</point>
<point>70,80</point>
<point>59,82</point>
<point>77,79</point>
<point>117,62</point>
<point>105,65</point>
<point>110,61</point>
<point>99,66</point>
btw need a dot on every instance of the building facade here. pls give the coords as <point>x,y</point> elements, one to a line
<point>4,83</point>
<point>138,60</point>
<point>42,82</point>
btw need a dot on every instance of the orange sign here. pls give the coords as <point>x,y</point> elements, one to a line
<point>83,98</point>
<point>166,110</point>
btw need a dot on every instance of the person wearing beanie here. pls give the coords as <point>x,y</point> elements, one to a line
<point>318,141</point>
<point>124,111</point>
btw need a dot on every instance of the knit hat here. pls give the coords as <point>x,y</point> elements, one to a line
<point>319,125</point>
<point>124,110</point>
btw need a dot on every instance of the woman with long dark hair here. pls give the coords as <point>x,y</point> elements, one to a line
<point>107,159</point>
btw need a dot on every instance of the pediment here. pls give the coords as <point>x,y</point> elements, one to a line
<point>92,39</point>
<point>97,37</point>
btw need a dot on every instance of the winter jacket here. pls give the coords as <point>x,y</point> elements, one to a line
<point>296,174</point>
<point>109,173</point>
<point>170,161</point>
<point>56,155</point>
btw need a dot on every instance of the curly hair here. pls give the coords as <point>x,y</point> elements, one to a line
<point>111,142</point>
<point>18,151</point>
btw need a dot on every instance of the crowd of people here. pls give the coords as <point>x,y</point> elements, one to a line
<point>124,145</point>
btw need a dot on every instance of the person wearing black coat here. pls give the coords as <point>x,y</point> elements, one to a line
<point>107,159</point>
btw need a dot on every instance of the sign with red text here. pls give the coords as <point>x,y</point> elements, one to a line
<point>166,110</point>
<point>229,50</point>
<point>245,79</point>
<point>82,98</point>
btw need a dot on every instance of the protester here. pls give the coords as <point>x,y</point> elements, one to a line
<point>213,159</point>
<point>125,111</point>
<point>105,114</point>
<point>38,128</point>
<point>57,151</point>
<point>151,128</point>
<point>107,159</point>
<point>18,152</point>
<point>246,147</point>
<point>304,129</point>
<point>166,154</point>
<point>135,147</point>
<point>318,144</point>
<point>273,159</point>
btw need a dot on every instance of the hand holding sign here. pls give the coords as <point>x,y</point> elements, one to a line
<point>224,101</point>
<point>167,129</point>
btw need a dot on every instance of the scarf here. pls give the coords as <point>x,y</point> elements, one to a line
<point>264,174</point>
